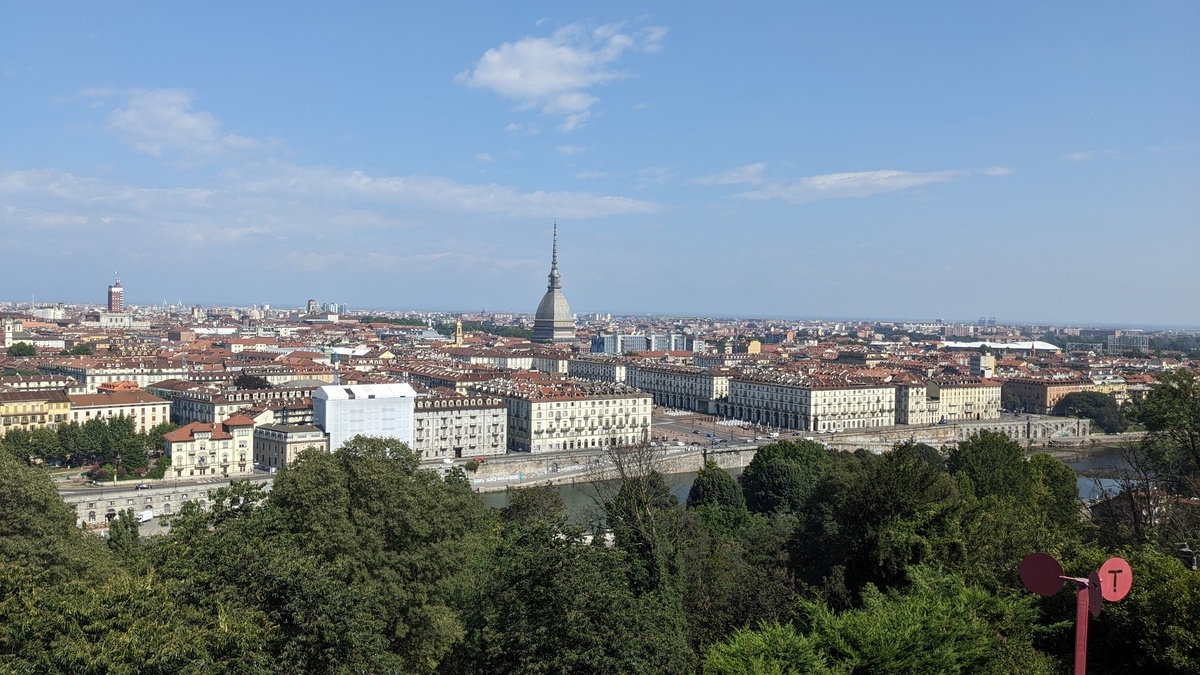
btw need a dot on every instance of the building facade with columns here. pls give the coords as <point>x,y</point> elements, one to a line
<point>568,414</point>
<point>799,402</point>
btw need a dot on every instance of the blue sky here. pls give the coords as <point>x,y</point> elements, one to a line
<point>892,160</point>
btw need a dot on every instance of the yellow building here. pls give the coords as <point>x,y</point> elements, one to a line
<point>31,410</point>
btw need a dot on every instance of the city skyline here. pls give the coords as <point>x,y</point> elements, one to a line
<point>944,162</point>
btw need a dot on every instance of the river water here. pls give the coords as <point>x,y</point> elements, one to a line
<point>584,500</point>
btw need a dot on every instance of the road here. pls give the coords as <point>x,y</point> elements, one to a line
<point>66,489</point>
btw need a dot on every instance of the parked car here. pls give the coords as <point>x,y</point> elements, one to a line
<point>142,486</point>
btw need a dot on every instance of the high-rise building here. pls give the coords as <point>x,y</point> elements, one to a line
<point>116,298</point>
<point>554,321</point>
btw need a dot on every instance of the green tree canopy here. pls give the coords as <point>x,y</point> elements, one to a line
<point>715,487</point>
<point>1101,408</point>
<point>1171,414</point>
<point>994,463</point>
<point>20,349</point>
<point>782,475</point>
<point>873,517</point>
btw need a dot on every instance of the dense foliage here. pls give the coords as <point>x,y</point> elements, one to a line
<point>19,349</point>
<point>106,445</point>
<point>359,561</point>
<point>1101,408</point>
<point>396,322</point>
<point>448,329</point>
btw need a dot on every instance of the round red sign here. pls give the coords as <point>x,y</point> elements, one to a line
<point>1116,578</point>
<point>1041,573</point>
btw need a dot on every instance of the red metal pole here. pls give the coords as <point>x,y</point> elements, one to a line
<point>1081,627</point>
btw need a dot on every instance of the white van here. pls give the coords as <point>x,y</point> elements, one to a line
<point>146,516</point>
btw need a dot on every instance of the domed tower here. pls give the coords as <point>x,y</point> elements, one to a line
<point>553,321</point>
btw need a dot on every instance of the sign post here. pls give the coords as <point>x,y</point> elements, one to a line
<point>1042,574</point>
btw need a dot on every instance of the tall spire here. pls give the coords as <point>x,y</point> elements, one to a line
<point>554,278</point>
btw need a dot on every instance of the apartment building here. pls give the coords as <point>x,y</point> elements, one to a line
<point>208,406</point>
<point>806,403</point>
<point>221,449</point>
<point>457,426</point>
<point>146,410</point>
<point>596,367</point>
<point>30,410</point>
<point>686,387</point>
<point>384,410</point>
<point>276,445</point>
<point>562,414</point>
<point>965,398</point>
<point>93,372</point>
<point>1040,396</point>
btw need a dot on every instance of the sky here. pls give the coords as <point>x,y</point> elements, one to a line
<point>1027,161</point>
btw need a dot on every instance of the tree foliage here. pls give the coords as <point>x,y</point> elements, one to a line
<point>1099,407</point>
<point>360,561</point>
<point>21,349</point>
<point>715,487</point>
<point>783,474</point>
<point>247,381</point>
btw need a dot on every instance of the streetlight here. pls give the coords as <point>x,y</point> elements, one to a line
<point>1185,552</point>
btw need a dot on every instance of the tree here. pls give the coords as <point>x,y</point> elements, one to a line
<point>246,381</point>
<point>1010,401</point>
<point>123,534</point>
<point>72,443</point>
<point>782,475</point>
<point>770,649</point>
<point>98,446</point>
<point>38,534</point>
<point>17,443</point>
<point>1056,489</point>
<point>995,464</point>
<point>940,625</point>
<point>82,349</point>
<point>555,604</point>
<point>21,349</point>
<point>1101,408</point>
<point>714,486</point>
<point>398,533</point>
<point>531,505</point>
<point>1171,414</point>
<point>44,445</point>
<point>871,518</point>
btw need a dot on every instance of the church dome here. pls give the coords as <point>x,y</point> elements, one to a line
<point>553,321</point>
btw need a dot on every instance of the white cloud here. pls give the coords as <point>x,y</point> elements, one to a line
<point>273,199</point>
<point>517,129</point>
<point>161,122</point>
<point>858,184</point>
<point>1086,155</point>
<point>750,173</point>
<point>651,176</point>
<point>484,157</point>
<point>555,73</point>
<point>571,149</point>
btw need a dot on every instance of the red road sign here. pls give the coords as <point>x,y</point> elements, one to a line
<point>1116,578</point>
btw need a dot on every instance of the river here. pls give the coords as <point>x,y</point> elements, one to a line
<point>583,500</point>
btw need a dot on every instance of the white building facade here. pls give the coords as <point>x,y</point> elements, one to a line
<point>346,411</point>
